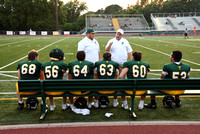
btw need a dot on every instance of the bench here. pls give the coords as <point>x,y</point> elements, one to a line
<point>152,85</point>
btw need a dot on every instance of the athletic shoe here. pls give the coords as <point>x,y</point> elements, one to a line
<point>140,107</point>
<point>125,106</point>
<point>115,103</point>
<point>178,103</point>
<point>150,105</point>
<point>64,106</point>
<point>96,103</point>
<point>52,107</point>
<point>89,104</point>
<point>72,106</point>
<point>20,106</point>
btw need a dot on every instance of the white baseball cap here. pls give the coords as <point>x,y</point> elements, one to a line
<point>120,31</point>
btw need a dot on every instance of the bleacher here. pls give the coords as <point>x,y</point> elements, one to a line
<point>175,21</point>
<point>109,23</point>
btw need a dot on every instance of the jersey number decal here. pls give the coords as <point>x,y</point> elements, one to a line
<point>77,72</point>
<point>136,71</point>
<point>28,69</point>
<point>103,70</point>
<point>51,71</point>
<point>176,75</point>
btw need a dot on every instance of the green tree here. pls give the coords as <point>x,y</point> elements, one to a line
<point>73,10</point>
<point>113,9</point>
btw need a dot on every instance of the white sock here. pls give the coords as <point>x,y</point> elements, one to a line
<point>141,104</point>
<point>125,102</point>
<point>20,102</point>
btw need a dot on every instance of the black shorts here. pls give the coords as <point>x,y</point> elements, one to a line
<point>185,34</point>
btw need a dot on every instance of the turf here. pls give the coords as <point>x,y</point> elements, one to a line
<point>156,51</point>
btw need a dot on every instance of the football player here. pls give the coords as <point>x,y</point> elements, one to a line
<point>29,70</point>
<point>81,69</point>
<point>53,70</point>
<point>173,70</point>
<point>107,69</point>
<point>136,69</point>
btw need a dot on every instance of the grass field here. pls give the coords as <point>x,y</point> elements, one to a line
<point>156,51</point>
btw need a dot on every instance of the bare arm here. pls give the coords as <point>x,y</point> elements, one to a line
<point>123,73</point>
<point>162,76</point>
<point>130,56</point>
<point>109,46</point>
<point>18,74</point>
<point>41,75</point>
<point>99,56</point>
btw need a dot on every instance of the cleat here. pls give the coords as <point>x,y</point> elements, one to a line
<point>177,103</point>
<point>115,103</point>
<point>89,104</point>
<point>141,107</point>
<point>96,103</point>
<point>150,105</point>
<point>125,106</point>
<point>52,107</point>
<point>64,106</point>
<point>20,106</point>
<point>72,106</point>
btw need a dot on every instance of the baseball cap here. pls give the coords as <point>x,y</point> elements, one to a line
<point>90,30</point>
<point>120,31</point>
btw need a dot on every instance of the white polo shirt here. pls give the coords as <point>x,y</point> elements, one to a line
<point>91,48</point>
<point>119,50</point>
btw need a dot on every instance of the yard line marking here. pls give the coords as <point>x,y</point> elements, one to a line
<point>154,74</point>
<point>19,42</point>
<point>69,53</point>
<point>27,55</point>
<point>164,53</point>
<point>8,92</point>
<point>173,43</point>
<point>196,52</point>
<point>9,75</point>
<point>7,80</point>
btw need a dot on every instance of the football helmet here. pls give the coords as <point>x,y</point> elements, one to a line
<point>168,101</point>
<point>80,102</point>
<point>104,101</point>
<point>57,53</point>
<point>32,103</point>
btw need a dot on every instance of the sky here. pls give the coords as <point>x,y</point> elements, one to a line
<point>94,5</point>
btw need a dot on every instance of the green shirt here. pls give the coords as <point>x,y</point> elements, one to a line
<point>81,69</point>
<point>136,69</point>
<point>175,71</point>
<point>106,69</point>
<point>54,69</point>
<point>29,70</point>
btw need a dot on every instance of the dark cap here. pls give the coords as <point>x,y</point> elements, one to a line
<point>90,30</point>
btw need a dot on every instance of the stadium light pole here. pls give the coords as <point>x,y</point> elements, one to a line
<point>56,14</point>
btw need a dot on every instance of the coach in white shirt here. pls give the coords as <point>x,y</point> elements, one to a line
<point>120,50</point>
<point>90,46</point>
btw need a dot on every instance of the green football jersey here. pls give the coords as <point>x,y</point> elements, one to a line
<point>29,70</point>
<point>54,69</point>
<point>81,69</point>
<point>106,69</point>
<point>175,71</point>
<point>136,69</point>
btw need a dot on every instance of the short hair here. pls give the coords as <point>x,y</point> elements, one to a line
<point>32,55</point>
<point>80,55</point>
<point>177,55</point>
<point>107,56</point>
<point>137,55</point>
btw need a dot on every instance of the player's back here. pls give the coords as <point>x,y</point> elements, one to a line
<point>176,71</point>
<point>106,69</point>
<point>81,69</point>
<point>54,69</point>
<point>136,69</point>
<point>29,70</point>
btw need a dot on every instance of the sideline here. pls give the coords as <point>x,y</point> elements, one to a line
<point>120,123</point>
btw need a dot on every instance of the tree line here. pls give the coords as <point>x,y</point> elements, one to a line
<point>39,15</point>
